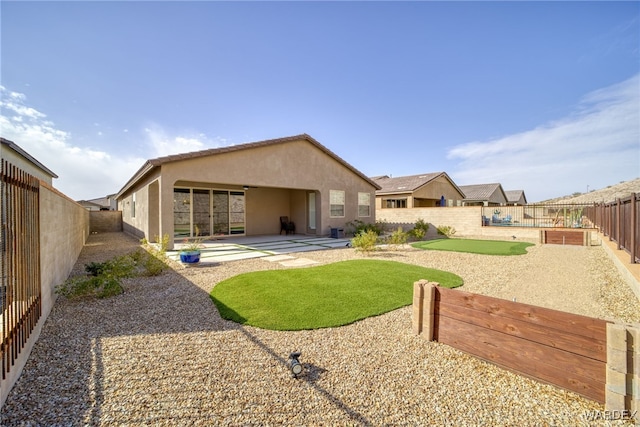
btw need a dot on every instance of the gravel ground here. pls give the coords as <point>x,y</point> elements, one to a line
<point>161,355</point>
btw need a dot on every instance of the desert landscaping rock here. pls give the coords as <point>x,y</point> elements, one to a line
<point>161,355</point>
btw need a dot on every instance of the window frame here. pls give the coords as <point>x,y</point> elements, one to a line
<point>361,197</point>
<point>336,196</point>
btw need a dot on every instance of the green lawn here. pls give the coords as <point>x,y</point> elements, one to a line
<point>484,247</point>
<point>324,296</point>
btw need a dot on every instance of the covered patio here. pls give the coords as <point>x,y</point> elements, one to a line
<point>271,247</point>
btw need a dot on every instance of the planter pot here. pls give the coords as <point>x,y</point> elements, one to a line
<point>190,257</point>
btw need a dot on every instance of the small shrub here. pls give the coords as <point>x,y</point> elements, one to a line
<point>446,230</point>
<point>418,233</point>
<point>365,241</point>
<point>154,261</point>
<point>95,268</point>
<point>103,279</point>
<point>398,238</point>
<point>420,229</point>
<point>357,226</point>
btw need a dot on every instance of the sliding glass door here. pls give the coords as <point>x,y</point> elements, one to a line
<point>204,212</point>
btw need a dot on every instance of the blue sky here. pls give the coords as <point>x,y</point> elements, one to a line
<point>539,96</point>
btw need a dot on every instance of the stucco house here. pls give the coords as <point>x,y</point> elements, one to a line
<point>11,152</point>
<point>484,195</point>
<point>244,190</point>
<point>107,203</point>
<point>417,191</point>
<point>516,197</point>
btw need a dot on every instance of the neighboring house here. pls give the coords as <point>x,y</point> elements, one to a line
<point>15,155</point>
<point>244,190</point>
<point>516,197</point>
<point>89,205</point>
<point>484,195</point>
<point>108,203</point>
<point>417,191</point>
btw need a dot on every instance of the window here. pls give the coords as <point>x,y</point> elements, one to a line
<point>364,204</point>
<point>336,200</point>
<point>133,206</point>
<point>395,203</point>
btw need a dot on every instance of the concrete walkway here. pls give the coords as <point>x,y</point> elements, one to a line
<point>272,248</point>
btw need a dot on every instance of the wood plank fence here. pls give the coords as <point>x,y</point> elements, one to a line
<point>619,221</point>
<point>563,349</point>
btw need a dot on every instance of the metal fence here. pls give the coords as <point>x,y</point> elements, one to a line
<point>620,221</point>
<point>20,291</point>
<point>538,215</point>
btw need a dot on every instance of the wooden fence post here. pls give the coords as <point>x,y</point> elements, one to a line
<point>418,295</point>
<point>424,296</point>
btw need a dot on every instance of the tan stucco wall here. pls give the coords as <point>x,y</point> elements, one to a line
<point>105,221</point>
<point>466,220</point>
<point>64,227</point>
<point>139,225</point>
<point>279,174</point>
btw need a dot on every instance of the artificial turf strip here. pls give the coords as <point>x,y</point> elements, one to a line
<point>324,296</point>
<point>484,247</point>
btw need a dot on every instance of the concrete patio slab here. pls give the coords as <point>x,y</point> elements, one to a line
<point>299,262</point>
<point>269,247</point>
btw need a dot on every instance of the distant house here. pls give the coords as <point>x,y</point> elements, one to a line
<point>244,190</point>
<point>417,191</point>
<point>108,203</point>
<point>484,195</point>
<point>19,158</point>
<point>516,197</point>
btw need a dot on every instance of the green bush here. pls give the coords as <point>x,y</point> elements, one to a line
<point>417,233</point>
<point>104,279</point>
<point>357,226</point>
<point>420,229</point>
<point>365,241</point>
<point>397,238</point>
<point>446,230</point>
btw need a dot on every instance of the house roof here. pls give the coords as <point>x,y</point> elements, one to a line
<point>515,195</point>
<point>27,156</point>
<point>159,161</point>
<point>89,203</point>
<point>408,184</point>
<point>101,201</point>
<point>481,191</point>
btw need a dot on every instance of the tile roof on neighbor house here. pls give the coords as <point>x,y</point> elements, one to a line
<point>159,161</point>
<point>515,195</point>
<point>406,184</point>
<point>480,191</point>
<point>27,156</point>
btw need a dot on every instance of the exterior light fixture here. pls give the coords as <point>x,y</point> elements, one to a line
<point>294,364</point>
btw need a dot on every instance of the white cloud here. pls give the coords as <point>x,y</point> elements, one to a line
<point>597,145</point>
<point>163,144</point>
<point>83,173</point>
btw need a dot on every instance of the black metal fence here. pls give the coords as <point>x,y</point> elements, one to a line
<point>20,291</point>
<point>538,215</point>
<point>618,220</point>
